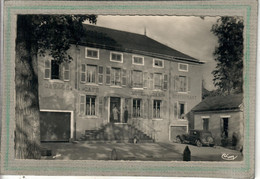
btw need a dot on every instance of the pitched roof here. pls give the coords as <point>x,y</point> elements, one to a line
<point>220,103</point>
<point>111,39</point>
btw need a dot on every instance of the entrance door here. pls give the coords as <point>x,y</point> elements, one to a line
<point>115,105</point>
<point>225,127</point>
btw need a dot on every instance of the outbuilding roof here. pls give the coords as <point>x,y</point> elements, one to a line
<point>219,103</point>
<point>111,39</point>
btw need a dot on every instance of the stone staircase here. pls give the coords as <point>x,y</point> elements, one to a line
<point>117,133</point>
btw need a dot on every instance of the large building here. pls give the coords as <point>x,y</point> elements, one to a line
<point>113,72</point>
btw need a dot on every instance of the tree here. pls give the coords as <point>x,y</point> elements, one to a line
<point>37,35</point>
<point>228,75</point>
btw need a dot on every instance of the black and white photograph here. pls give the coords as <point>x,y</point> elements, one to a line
<point>129,89</point>
<point>149,88</point>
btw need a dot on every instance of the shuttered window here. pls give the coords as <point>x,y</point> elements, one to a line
<point>137,78</point>
<point>182,83</point>
<point>137,108</point>
<point>115,76</point>
<point>47,70</point>
<point>158,81</point>
<point>83,73</point>
<point>100,74</point>
<point>66,71</point>
<point>151,81</point>
<point>108,75</point>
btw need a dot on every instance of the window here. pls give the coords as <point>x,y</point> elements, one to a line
<point>137,108</point>
<point>66,72</point>
<point>100,74</point>
<point>87,105</point>
<point>138,60</point>
<point>181,110</point>
<point>116,57</point>
<point>90,105</point>
<point>183,84</point>
<point>158,63</point>
<point>157,81</point>
<point>157,108</point>
<point>165,82</point>
<point>91,73</point>
<point>137,78</point>
<point>115,76</point>
<point>205,123</point>
<point>91,53</point>
<point>183,67</point>
<point>54,70</point>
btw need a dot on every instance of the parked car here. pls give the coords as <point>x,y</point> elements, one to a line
<point>197,137</point>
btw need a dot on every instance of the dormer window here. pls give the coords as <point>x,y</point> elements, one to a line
<point>183,67</point>
<point>158,63</point>
<point>92,53</point>
<point>116,57</point>
<point>138,60</point>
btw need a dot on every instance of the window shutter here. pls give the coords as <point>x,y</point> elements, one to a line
<point>176,83</point>
<point>165,82</point>
<point>131,78</point>
<point>189,83</point>
<point>145,79</point>
<point>108,75</point>
<point>123,77</point>
<point>82,107</point>
<point>145,110</point>
<point>66,71</point>
<point>150,108</point>
<point>151,81</point>
<point>100,74</point>
<point>47,69</point>
<point>100,105</point>
<point>112,77</point>
<point>83,73</point>
<point>176,110</point>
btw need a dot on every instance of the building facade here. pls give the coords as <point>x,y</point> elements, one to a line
<point>118,77</point>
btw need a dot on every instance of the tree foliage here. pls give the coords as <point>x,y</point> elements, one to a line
<point>228,75</point>
<point>39,34</point>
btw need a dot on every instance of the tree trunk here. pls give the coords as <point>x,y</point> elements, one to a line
<point>27,132</point>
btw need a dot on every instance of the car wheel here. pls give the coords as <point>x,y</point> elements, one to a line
<point>178,140</point>
<point>198,143</point>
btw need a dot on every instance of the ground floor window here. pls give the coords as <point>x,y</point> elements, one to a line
<point>137,108</point>
<point>157,108</point>
<point>181,113</point>
<point>91,105</point>
<point>88,105</point>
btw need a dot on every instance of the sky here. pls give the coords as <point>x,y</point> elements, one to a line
<point>188,34</point>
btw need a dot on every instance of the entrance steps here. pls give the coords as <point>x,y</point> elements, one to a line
<point>116,133</point>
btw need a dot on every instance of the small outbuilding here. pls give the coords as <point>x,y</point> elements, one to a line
<point>223,117</point>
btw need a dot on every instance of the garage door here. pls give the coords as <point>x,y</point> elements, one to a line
<point>177,130</point>
<point>55,126</point>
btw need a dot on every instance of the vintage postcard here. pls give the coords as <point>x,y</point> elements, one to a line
<point>129,88</point>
